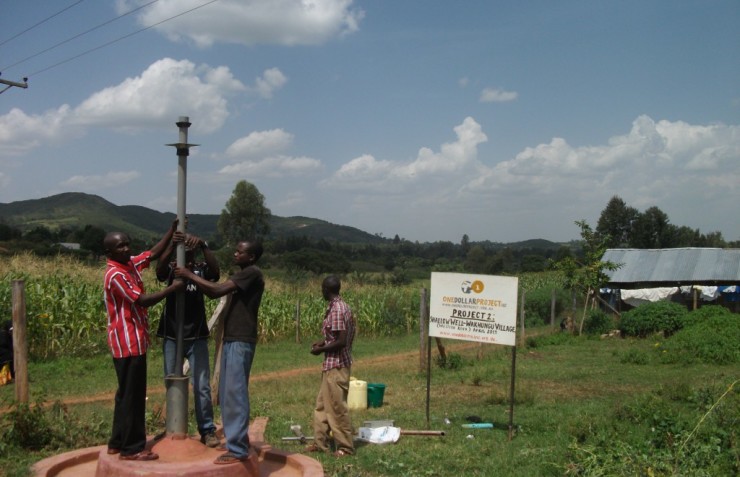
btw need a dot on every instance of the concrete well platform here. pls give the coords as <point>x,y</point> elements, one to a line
<point>182,457</point>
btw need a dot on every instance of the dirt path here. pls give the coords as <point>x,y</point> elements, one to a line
<point>273,375</point>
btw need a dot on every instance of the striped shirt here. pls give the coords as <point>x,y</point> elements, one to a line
<point>338,317</point>
<point>128,325</point>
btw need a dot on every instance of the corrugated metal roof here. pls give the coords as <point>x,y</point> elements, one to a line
<point>673,266</point>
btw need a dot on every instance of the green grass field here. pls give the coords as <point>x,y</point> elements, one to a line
<point>583,407</point>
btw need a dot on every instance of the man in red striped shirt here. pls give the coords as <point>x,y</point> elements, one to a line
<point>126,304</point>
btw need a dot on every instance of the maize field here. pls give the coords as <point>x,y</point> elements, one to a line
<point>65,312</point>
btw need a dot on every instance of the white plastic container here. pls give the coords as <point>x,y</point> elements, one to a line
<point>357,396</point>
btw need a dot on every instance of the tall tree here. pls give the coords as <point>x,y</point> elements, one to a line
<point>465,245</point>
<point>615,223</point>
<point>653,230</point>
<point>245,215</point>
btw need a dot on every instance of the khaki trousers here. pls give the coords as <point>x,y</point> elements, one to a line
<point>332,413</point>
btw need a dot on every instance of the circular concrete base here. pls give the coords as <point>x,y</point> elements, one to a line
<point>182,457</point>
<point>177,457</point>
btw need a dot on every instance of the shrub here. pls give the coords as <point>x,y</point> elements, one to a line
<point>715,340</point>
<point>597,323</point>
<point>706,312</point>
<point>634,356</point>
<point>537,305</point>
<point>451,361</point>
<point>37,428</point>
<point>659,317</point>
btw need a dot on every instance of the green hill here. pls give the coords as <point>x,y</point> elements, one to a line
<point>76,209</point>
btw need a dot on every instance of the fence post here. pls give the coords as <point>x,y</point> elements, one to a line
<point>20,342</point>
<point>553,300</point>
<point>423,332</point>
<point>521,314</point>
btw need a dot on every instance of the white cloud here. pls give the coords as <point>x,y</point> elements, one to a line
<point>100,182</point>
<point>366,172</point>
<point>251,22</point>
<point>669,162</point>
<point>19,132</point>
<point>686,170</point>
<point>163,91</point>
<point>273,166</point>
<point>270,81</point>
<point>495,95</point>
<point>260,143</point>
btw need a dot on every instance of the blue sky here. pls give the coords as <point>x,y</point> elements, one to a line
<point>504,121</point>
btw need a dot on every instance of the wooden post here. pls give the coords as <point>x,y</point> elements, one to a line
<point>511,392</point>
<point>423,331</point>
<point>20,342</point>
<point>553,301</point>
<point>521,315</point>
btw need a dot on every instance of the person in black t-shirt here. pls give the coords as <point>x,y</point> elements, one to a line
<point>239,342</point>
<point>195,328</point>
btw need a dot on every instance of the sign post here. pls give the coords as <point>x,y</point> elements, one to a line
<point>481,308</point>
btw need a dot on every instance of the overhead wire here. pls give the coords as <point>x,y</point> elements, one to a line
<point>40,23</point>
<point>78,35</point>
<point>119,39</point>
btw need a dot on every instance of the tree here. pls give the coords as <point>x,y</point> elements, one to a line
<point>475,261</point>
<point>590,274</point>
<point>91,238</point>
<point>245,215</point>
<point>616,222</point>
<point>465,244</point>
<point>652,229</point>
<point>9,233</point>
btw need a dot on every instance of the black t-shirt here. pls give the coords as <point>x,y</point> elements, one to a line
<point>195,324</point>
<point>240,323</point>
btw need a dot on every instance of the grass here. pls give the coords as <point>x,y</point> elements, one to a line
<point>581,409</point>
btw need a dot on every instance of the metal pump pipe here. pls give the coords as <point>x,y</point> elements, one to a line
<point>177,384</point>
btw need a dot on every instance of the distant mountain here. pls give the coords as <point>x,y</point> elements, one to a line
<point>76,209</point>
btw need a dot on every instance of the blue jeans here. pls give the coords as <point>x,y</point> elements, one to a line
<point>233,392</point>
<point>196,352</point>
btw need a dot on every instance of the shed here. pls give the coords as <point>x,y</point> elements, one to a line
<point>684,275</point>
<point>673,267</point>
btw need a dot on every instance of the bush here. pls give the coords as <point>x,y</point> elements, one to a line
<point>706,312</point>
<point>649,435</point>
<point>634,356</point>
<point>35,428</point>
<point>659,317</point>
<point>597,323</point>
<point>715,340</point>
<point>537,305</point>
<point>451,361</point>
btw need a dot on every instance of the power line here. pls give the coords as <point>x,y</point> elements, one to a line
<point>39,23</point>
<point>78,35</point>
<point>119,39</point>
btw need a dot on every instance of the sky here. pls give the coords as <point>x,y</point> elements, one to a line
<point>426,119</point>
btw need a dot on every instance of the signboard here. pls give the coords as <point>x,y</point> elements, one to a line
<point>472,307</point>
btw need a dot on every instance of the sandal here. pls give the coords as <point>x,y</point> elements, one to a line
<point>341,453</point>
<point>312,448</point>
<point>229,458</point>
<point>143,455</point>
<point>113,450</point>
